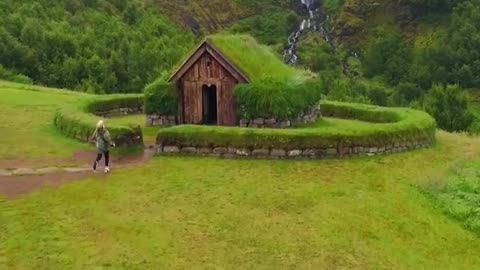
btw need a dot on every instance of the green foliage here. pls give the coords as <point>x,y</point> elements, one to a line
<point>388,56</point>
<point>11,76</point>
<point>458,194</point>
<point>316,54</point>
<point>454,58</point>
<point>161,98</point>
<point>408,125</point>
<point>95,46</point>
<point>431,5</point>
<point>449,106</point>
<point>333,6</point>
<point>405,93</point>
<point>269,98</point>
<point>255,60</point>
<point>378,95</point>
<point>271,28</point>
<point>78,121</point>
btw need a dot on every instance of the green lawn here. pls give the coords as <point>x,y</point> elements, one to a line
<point>27,123</point>
<point>206,213</point>
<point>26,117</point>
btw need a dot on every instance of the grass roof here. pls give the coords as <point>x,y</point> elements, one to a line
<point>255,60</point>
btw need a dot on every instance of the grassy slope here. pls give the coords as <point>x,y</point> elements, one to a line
<point>247,214</point>
<point>213,15</point>
<point>27,117</point>
<point>27,128</point>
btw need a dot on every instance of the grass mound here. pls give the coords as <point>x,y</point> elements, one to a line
<point>395,125</point>
<point>79,121</point>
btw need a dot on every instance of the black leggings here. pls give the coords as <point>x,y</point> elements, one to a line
<point>107,157</point>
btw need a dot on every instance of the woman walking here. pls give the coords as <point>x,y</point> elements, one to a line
<point>102,141</point>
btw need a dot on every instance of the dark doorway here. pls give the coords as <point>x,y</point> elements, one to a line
<point>209,94</point>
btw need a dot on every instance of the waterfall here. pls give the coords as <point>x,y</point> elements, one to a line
<point>314,20</point>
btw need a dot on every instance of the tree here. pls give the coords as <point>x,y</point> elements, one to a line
<point>388,56</point>
<point>449,106</point>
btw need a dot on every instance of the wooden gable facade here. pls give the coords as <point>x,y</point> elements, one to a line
<point>205,85</point>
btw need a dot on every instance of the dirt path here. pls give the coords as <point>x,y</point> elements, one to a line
<point>19,177</point>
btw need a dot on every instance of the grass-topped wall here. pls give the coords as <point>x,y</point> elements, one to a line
<point>389,130</point>
<point>79,121</point>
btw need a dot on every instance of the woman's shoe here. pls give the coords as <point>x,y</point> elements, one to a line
<point>107,170</point>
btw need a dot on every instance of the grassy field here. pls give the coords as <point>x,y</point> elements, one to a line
<point>203,213</point>
<point>27,129</point>
<point>27,122</point>
<point>415,210</point>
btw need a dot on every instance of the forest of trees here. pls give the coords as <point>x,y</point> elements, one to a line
<point>99,46</point>
<point>443,69</point>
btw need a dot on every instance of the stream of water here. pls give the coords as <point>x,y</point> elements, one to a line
<point>314,19</point>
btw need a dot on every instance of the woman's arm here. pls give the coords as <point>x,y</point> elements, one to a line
<point>94,135</point>
<point>108,138</point>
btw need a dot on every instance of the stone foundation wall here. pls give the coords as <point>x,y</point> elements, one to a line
<point>120,112</point>
<point>161,120</point>
<point>310,117</point>
<point>280,153</point>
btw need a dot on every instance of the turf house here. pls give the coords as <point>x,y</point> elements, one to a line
<point>225,81</point>
<point>206,83</point>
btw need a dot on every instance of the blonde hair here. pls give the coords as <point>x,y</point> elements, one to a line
<point>100,124</point>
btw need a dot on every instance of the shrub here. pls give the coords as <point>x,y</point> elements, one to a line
<point>78,121</point>
<point>347,90</point>
<point>270,98</point>
<point>8,75</point>
<point>378,95</point>
<point>449,106</point>
<point>405,93</point>
<point>398,125</point>
<point>160,98</point>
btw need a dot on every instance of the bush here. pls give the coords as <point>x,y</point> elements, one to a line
<point>161,98</point>
<point>405,93</point>
<point>449,106</point>
<point>378,95</point>
<point>346,90</point>
<point>399,125</point>
<point>270,98</point>
<point>79,121</point>
<point>8,75</point>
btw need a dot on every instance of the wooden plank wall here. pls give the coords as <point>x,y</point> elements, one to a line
<point>207,71</point>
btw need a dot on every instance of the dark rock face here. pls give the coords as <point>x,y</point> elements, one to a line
<point>193,24</point>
